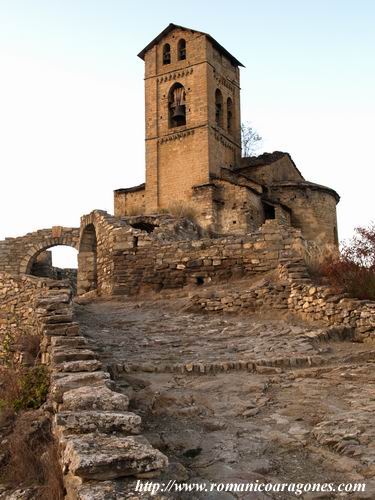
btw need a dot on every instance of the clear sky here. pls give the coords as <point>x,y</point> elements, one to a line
<point>72,110</point>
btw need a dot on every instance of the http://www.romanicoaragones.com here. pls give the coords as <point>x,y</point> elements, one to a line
<point>256,486</point>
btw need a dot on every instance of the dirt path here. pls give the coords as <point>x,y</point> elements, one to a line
<point>282,423</point>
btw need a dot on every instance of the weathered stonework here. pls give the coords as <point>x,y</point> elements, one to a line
<point>128,260</point>
<point>18,255</point>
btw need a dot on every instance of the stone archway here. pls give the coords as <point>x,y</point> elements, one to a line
<point>87,261</point>
<point>34,244</point>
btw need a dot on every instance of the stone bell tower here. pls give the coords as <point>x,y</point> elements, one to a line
<point>192,93</point>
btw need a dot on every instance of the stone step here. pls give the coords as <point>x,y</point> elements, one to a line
<point>63,382</point>
<point>102,457</point>
<point>61,355</point>
<point>69,329</point>
<point>84,398</point>
<point>79,422</point>
<point>89,365</point>
<point>72,342</point>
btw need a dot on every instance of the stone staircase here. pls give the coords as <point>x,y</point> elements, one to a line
<point>99,438</point>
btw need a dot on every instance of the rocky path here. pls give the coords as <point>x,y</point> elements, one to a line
<point>240,398</point>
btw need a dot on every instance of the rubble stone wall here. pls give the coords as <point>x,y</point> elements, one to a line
<point>324,304</point>
<point>239,209</point>
<point>134,254</point>
<point>295,292</point>
<point>262,297</point>
<point>174,264</point>
<point>20,314</point>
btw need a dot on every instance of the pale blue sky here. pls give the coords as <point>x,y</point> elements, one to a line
<point>71,96</point>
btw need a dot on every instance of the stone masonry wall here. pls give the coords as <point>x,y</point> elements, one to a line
<point>142,265</point>
<point>322,303</point>
<point>313,210</point>
<point>18,315</point>
<point>129,201</point>
<point>240,210</point>
<point>98,437</point>
<point>261,297</point>
<point>18,254</point>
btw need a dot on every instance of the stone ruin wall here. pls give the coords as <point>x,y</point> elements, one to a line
<point>18,254</point>
<point>18,315</point>
<point>130,260</point>
<point>141,265</point>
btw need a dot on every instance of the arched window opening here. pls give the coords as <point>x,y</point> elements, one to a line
<point>229,114</point>
<point>177,105</point>
<point>181,50</point>
<point>219,108</point>
<point>167,54</point>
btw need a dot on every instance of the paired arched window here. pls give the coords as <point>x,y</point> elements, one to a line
<point>177,105</point>
<point>167,54</point>
<point>219,108</point>
<point>219,112</point>
<point>181,50</point>
<point>229,114</point>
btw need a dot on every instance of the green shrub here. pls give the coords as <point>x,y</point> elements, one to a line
<point>33,387</point>
<point>23,387</point>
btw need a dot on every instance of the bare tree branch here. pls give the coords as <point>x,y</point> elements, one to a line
<point>250,139</point>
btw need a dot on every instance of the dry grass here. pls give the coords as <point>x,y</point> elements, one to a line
<point>352,270</point>
<point>33,457</point>
<point>183,210</point>
<point>316,257</point>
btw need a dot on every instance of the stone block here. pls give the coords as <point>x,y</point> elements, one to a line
<point>103,398</point>
<point>80,422</point>
<point>102,457</point>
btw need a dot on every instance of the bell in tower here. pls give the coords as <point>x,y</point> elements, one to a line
<point>177,106</point>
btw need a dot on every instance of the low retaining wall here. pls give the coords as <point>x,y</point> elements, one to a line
<point>324,304</point>
<point>264,296</point>
<point>294,291</point>
<point>98,437</point>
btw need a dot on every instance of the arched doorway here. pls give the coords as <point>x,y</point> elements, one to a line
<point>87,257</point>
